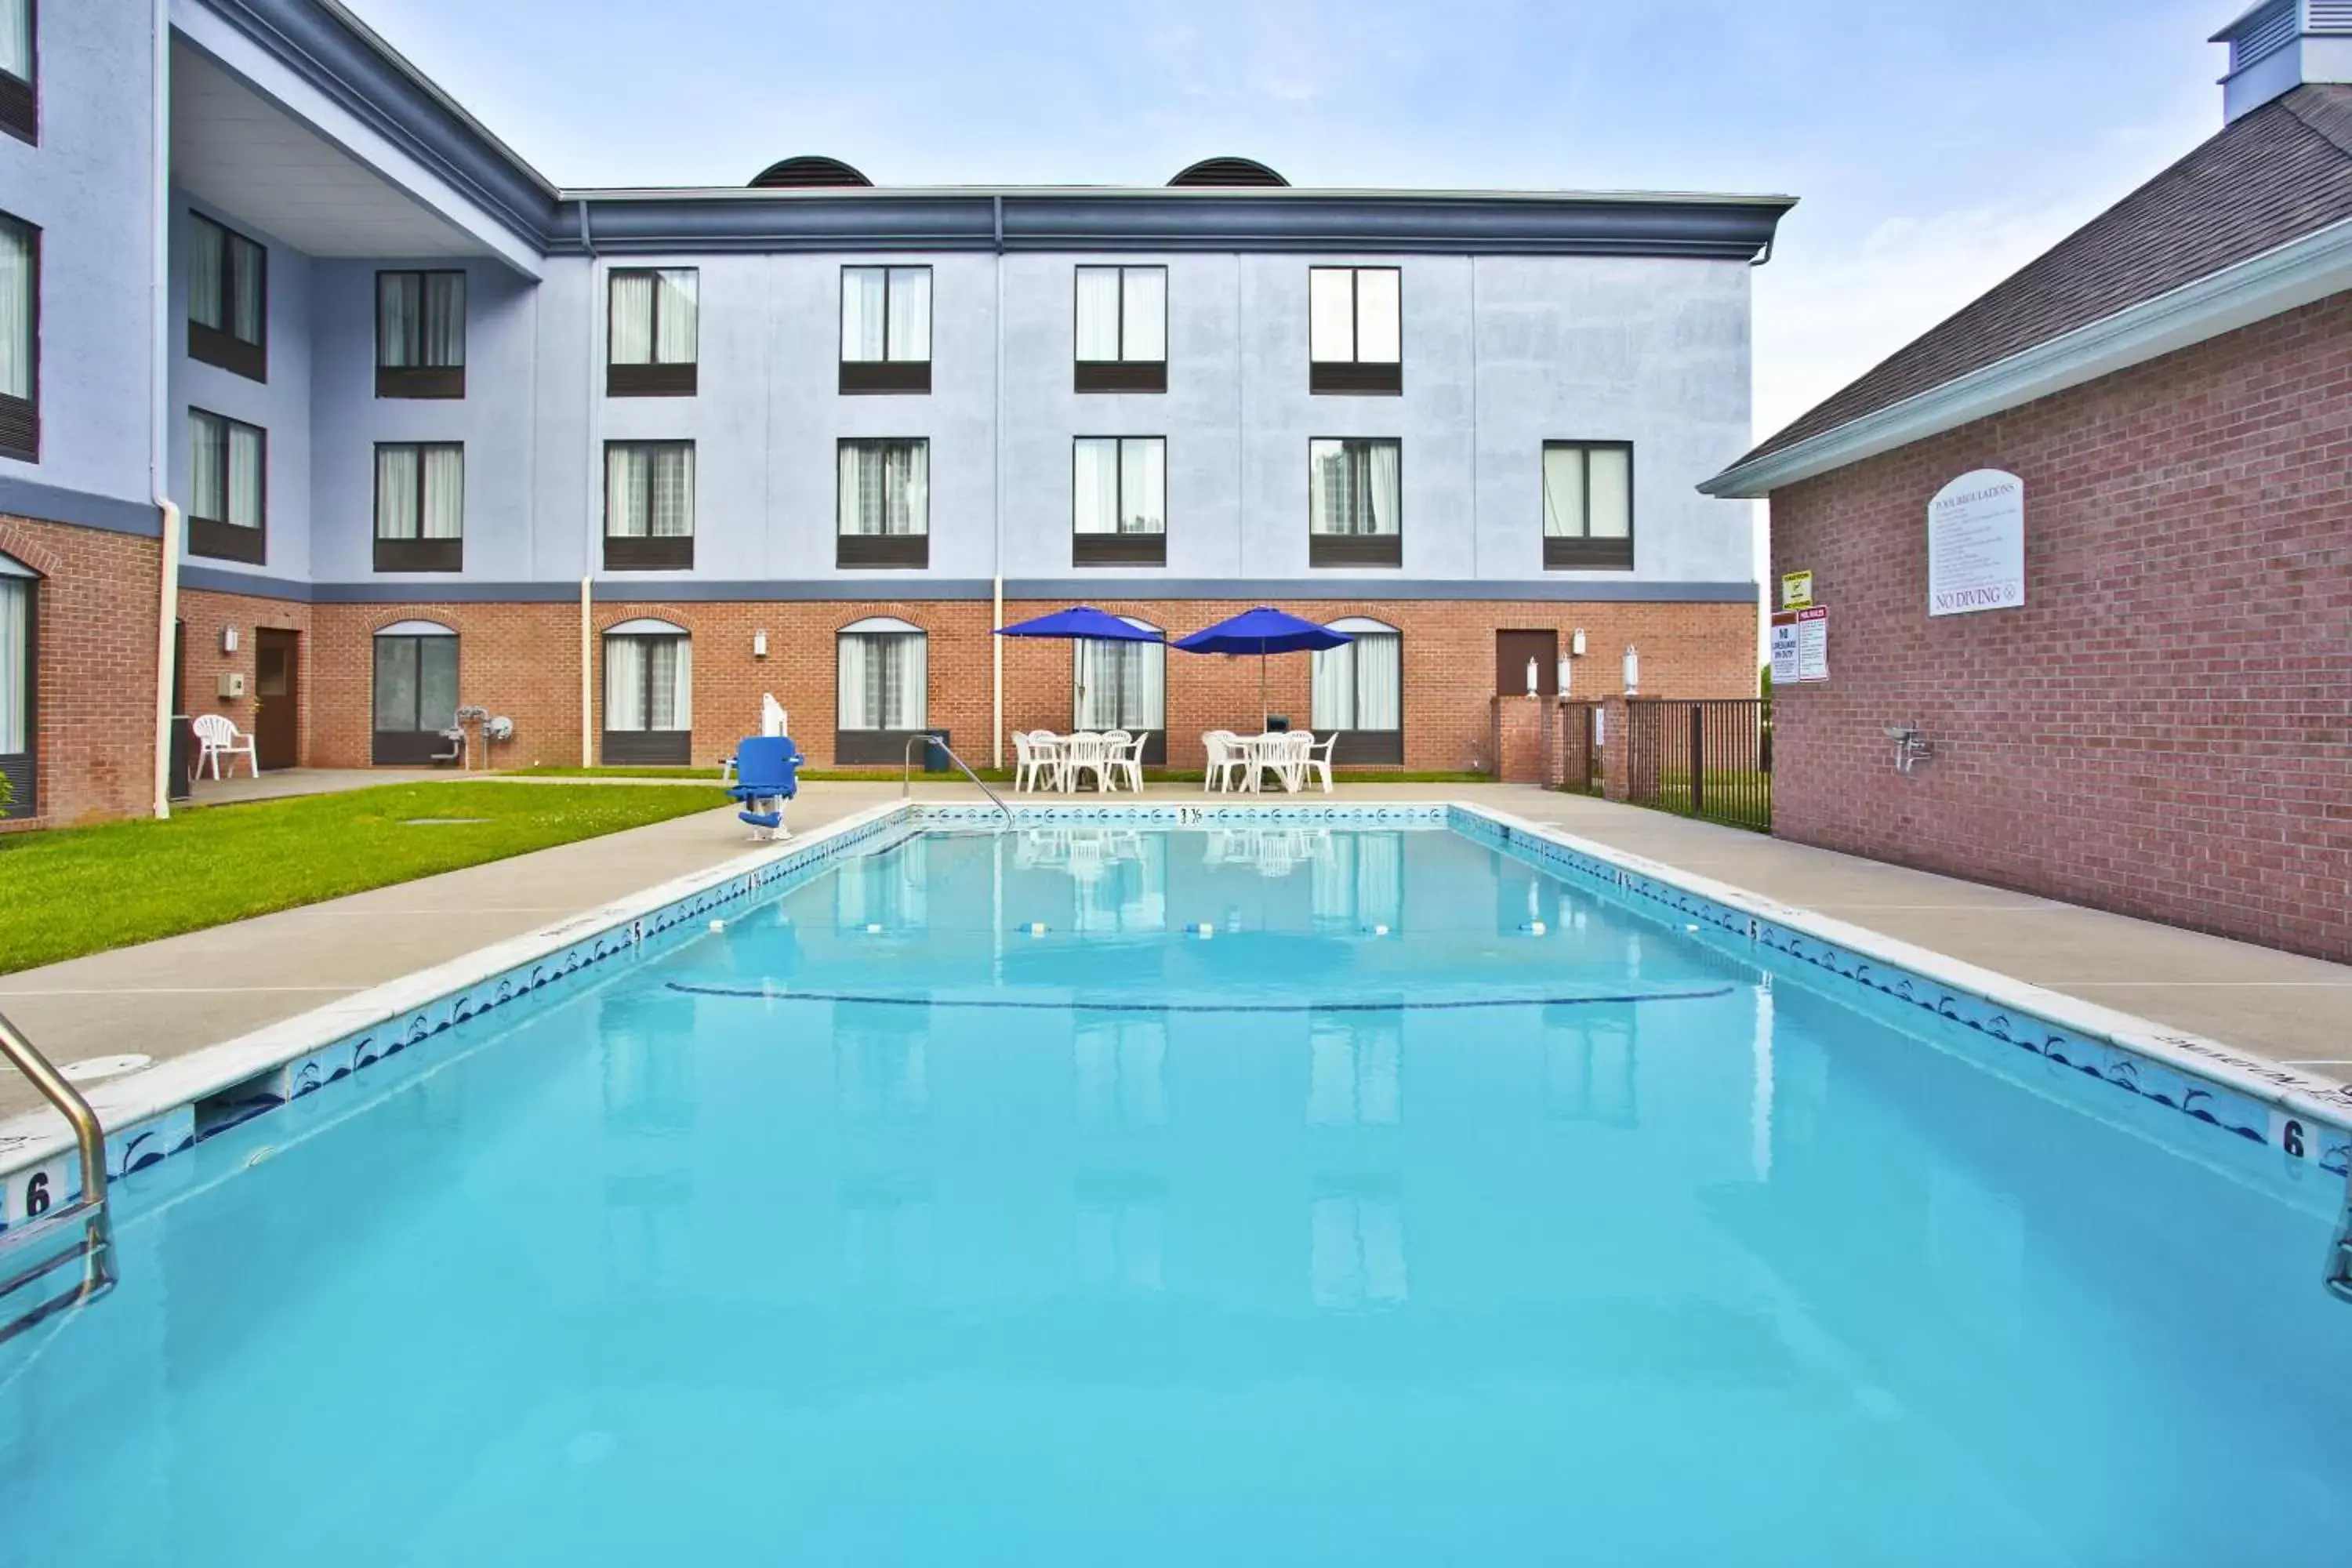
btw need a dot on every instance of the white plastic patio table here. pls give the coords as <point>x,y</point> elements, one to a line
<point>1263,754</point>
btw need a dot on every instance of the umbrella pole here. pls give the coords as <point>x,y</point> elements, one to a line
<point>1261,690</point>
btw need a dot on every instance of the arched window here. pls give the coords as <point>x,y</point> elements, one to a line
<point>20,683</point>
<point>882,681</point>
<point>1359,691</point>
<point>415,693</point>
<point>648,694</point>
<point>1122,686</point>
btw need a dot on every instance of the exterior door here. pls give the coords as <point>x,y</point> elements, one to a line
<point>276,696</point>
<point>1512,652</point>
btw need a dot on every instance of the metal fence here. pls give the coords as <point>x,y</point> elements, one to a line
<point>1710,758</point>
<point>1579,747</point>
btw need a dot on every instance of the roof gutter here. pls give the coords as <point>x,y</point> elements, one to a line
<point>2302,270</point>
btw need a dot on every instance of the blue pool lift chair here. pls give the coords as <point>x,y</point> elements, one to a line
<point>767,776</point>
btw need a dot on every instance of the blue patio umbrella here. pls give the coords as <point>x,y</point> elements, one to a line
<point>1080,621</point>
<point>1261,631</point>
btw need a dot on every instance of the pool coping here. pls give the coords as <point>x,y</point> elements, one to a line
<point>154,1113</point>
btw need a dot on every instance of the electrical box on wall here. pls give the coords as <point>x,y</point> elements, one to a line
<point>232,683</point>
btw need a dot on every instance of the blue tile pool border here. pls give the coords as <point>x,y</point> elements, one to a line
<point>166,1110</point>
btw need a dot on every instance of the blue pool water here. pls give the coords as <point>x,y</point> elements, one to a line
<point>879,1230</point>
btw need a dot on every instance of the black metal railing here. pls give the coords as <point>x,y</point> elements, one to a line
<point>1580,748</point>
<point>1708,757</point>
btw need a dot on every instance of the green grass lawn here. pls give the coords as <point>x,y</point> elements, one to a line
<point>74,891</point>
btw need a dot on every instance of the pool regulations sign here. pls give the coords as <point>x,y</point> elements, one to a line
<point>1975,544</point>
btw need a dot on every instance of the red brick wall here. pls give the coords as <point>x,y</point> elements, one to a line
<point>203,617</point>
<point>2165,728</point>
<point>95,703</point>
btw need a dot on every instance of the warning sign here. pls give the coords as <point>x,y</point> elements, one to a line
<point>1801,645</point>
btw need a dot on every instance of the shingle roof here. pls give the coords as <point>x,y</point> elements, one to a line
<point>2281,171</point>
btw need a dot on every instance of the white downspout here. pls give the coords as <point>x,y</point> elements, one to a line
<point>589,507</point>
<point>159,292</point>
<point>996,464</point>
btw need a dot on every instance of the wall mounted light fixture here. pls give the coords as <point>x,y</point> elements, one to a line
<point>759,644</point>
<point>1576,642</point>
<point>228,639</point>
<point>1632,669</point>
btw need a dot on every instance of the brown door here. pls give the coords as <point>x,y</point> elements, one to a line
<point>1512,652</point>
<point>276,696</point>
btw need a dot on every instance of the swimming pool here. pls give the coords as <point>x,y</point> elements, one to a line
<point>1282,1191</point>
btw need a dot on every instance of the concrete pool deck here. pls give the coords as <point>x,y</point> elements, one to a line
<point>165,999</point>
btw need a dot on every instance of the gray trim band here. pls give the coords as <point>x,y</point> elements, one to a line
<point>38,502</point>
<point>1075,590</point>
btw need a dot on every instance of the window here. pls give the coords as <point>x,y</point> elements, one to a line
<point>20,109</point>
<point>1355,335</point>
<point>883,682</point>
<point>885,329</point>
<point>1588,499</point>
<point>227,488</point>
<point>1358,691</point>
<point>649,506</point>
<point>885,505</point>
<point>1122,329</point>
<point>1122,686</point>
<point>420,334</point>
<point>228,299</point>
<point>648,694</point>
<point>20,340</point>
<point>1118,501</point>
<point>650,332</point>
<point>1353,497</point>
<point>19,686</point>
<point>415,694</point>
<point>420,507</point>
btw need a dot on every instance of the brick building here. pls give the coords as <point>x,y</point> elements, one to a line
<point>2164,725</point>
<point>433,434</point>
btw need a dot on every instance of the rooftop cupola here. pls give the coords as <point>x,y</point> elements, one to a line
<point>2280,45</point>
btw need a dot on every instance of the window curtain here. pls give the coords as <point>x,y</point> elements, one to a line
<point>244,476</point>
<point>16,666</point>
<point>1095,486</point>
<point>669,682</point>
<point>16,42</point>
<point>444,318</point>
<point>1611,471</point>
<point>15,310</point>
<point>1563,492</point>
<point>1330,314</point>
<point>1099,313</point>
<point>671,513</point>
<point>246,274</point>
<point>395,492</point>
<point>445,492</point>
<point>395,684</point>
<point>884,681</point>
<point>911,313</point>
<point>1333,705</point>
<point>884,487</point>
<point>632,317</point>
<point>624,683</point>
<point>1354,486</point>
<point>208,273</point>
<point>1143,314</point>
<point>1143,485</point>
<point>1378,331</point>
<point>1119,684</point>
<point>678,290</point>
<point>399,303</point>
<point>436,682</point>
<point>1331,490</point>
<point>1381,488</point>
<point>862,293</point>
<point>626,468</point>
<point>850,673</point>
<point>1380,680</point>
<point>207,467</point>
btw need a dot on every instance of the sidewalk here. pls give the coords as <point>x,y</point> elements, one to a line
<point>166,999</point>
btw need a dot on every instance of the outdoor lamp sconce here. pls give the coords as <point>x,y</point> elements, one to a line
<point>1632,669</point>
<point>1576,642</point>
<point>228,639</point>
<point>759,644</point>
<point>1911,748</point>
<point>1564,669</point>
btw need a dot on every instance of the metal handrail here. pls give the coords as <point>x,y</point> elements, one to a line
<point>907,772</point>
<point>95,1249</point>
<point>2338,1276</point>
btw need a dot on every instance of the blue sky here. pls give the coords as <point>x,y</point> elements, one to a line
<point>1935,144</point>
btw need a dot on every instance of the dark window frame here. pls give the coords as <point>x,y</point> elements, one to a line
<point>874,747</point>
<point>407,747</point>
<point>655,377</point>
<point>20,96</point>
<point>413,551</point>
<point>638,748</point>
<point>416,379</point>
<point>1355,376</point>
<point>885,375</point>
<point>221,346</point>
<point>1585,552</point>
<point>882,552</point>
<point>217,536</point>
<point>1118,549</point>
<point>1352,550</point>
<point>1370,748</point>
<point>648,551</point>
<point>23,769</point>
<point>1123,374</point>
<point>20,417</point>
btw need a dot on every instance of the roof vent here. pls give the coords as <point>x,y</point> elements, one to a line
<point>1228,172</point>
<point>2279,46</point>
<point>807,173</point>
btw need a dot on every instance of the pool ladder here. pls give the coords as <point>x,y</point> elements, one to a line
<point>907,772</point>
<point>92,1242</point>
<point>2338,1277</point>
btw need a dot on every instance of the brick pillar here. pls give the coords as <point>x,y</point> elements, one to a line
<point>1614,754</point>
<point>1521,754</point>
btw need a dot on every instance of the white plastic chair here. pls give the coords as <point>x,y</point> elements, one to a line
<point>1130,762</point>
<point>1286,759</point>
<point>1083,753</point>
<point>1029,761</point>
<point>217,737</point>
<point>1318,759</point>
<point>1225,760</point>
<point>1111,759</point>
